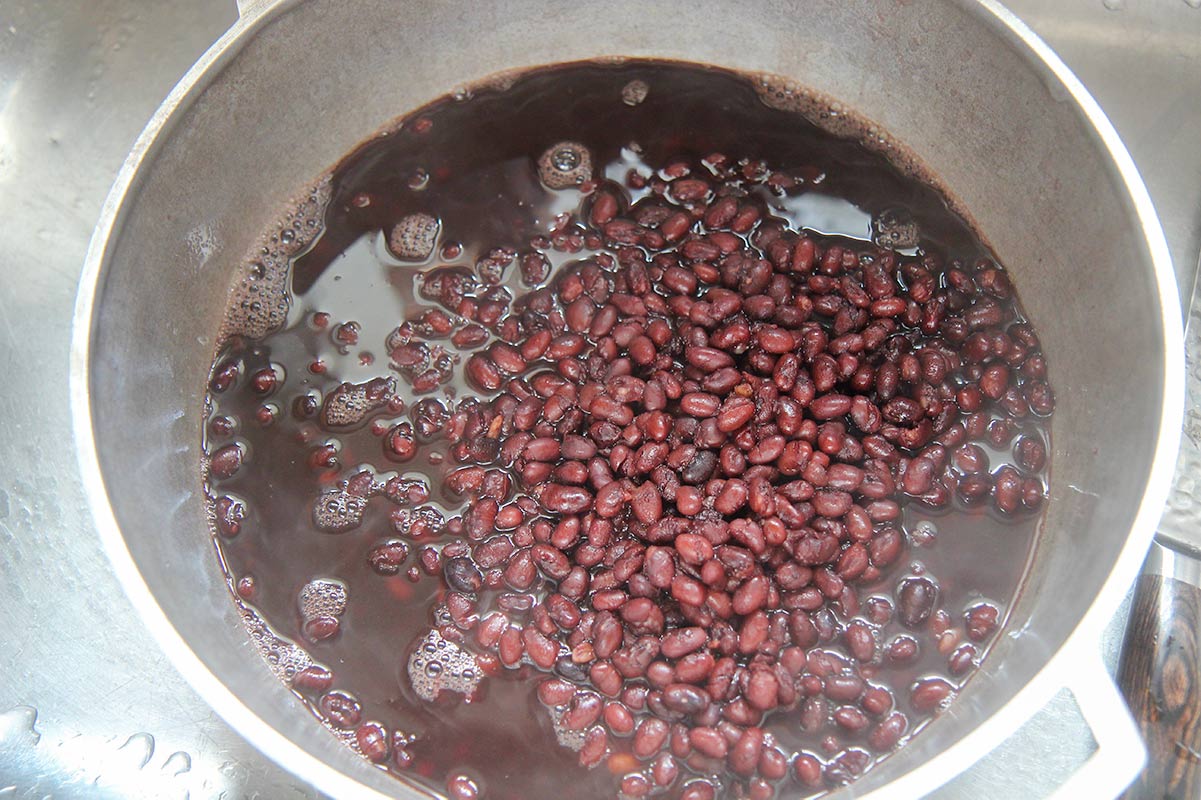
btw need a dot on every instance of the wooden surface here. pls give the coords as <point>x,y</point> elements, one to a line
<point>1159,674</point>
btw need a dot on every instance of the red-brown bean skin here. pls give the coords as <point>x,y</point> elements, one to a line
<point>744,757</point>
<point>372,740</point>
<point>541,650</point>
<point>888,732</point>
<point>584,710</point>
<point>650,737</point>
<point>618,718</point>
<point>929,694</point>
<point>808,770</point>
<point>709,742</point>
<point>682,641</point>
<point>763,689</point>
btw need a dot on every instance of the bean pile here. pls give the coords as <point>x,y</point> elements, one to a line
<point>713,424</point>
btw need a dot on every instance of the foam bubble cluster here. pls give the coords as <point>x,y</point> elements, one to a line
<point>572,740</point>
<point>924,533</point>
<point>259,301</point>
<point>565,165</point>
<point>414,237</point>
<point>350,403</point>
<point>438,665</point>
<point>895,229</point>
<point>634,92</point>
<point>284,657</point>
<point>338,511</point>
<point>785,94</point>
<point>322,598</point>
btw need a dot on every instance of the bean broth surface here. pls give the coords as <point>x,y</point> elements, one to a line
<point>615,427</point>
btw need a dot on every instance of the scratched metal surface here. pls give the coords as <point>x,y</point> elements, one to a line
<point>88,705</point>
<point>1182,520</point>
<point>1180,528</point>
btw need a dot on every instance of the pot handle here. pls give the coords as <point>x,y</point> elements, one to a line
<point>1120,753</point>
<point>1158,674</point>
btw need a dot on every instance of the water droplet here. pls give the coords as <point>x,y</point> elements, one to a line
<point>1113,5</point>
<point>177,763</point>
<point>138,749</point>
<point>16,726</point>
<point>1193,3</point>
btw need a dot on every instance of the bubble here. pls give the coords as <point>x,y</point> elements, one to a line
<point>338,511</point>
<point>259,302</point>
<point>285,658</point>
<point>438,665</point>
<point>416,523</point>
<point>565,165</point>
<point>322,598</point>
<point>634,92</point>
<point>565,159</point>
<point>895,229</point>
<point>350,403</point>
<point>414,237</point>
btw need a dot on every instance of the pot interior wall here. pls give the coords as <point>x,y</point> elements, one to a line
<point>322,75</point>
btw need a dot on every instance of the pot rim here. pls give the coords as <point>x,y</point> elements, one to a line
<point>990,732</point>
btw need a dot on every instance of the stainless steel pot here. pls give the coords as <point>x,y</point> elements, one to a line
<point>971,92</point>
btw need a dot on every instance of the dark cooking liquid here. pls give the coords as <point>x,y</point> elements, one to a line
<point>472,162</point>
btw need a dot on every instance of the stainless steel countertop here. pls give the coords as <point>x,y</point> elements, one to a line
<point>89,707</point>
